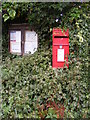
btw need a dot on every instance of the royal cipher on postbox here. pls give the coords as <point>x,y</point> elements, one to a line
<point>60,50</point>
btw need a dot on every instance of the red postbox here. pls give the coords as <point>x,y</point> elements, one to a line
<point>60,50</point>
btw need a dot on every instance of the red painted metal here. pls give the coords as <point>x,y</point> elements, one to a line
<point>60,39</point>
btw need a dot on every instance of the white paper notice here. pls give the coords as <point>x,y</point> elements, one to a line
<point>30,36</point>
<point>13,35</point>
<point>15,47</point>
<point>18,36</point>
<point>30,47</point>
<point>60,55</point>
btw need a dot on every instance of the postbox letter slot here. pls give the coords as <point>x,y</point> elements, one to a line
<point>60,36</point>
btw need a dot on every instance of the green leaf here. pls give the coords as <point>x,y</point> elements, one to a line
<point>12,13</point>
<point>6,17</point>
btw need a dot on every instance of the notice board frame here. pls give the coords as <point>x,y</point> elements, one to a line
<point>20,27</point>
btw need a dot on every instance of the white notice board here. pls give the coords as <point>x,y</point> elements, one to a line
<point>31,42</point>
<point>60,55</point>
<point>15,41</point>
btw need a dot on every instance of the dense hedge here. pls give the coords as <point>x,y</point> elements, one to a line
<point>30,81</point>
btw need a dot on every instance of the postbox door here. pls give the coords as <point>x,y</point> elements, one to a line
<point>60,55</point>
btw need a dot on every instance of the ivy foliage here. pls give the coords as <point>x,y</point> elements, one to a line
<point>40,15</point>
<point>15,9</point>
<point>30,80</point>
